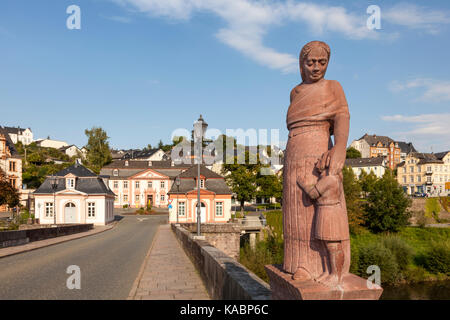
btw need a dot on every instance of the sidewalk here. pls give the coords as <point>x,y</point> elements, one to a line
<point>9,251</point>
<point>167,272</point>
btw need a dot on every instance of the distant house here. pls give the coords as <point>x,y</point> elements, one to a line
<point>372,146</point>
<point>81,197</point>
<point>19,134</point>
<point>425,173</point>
<point>376,165</point>
<point>10,161</point>
<point>49,143</point>
<point>215,197</point>
<point>137,183</point>
<point>72,151</point>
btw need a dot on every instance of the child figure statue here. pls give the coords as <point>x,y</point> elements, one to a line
<point>331,224</point>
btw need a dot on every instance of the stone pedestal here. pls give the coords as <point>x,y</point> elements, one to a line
<point>283,287</point>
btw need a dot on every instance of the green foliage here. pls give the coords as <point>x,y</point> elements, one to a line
<point>125,206</point>
<point>432,209</point>
<point>8,194</point>
<point>445,203</point>
<point>437,258</point>
<point>377,254</point>
<point>352,153</point>
<point>98,152</point>
<point>367,182</point>
<point>275,224</point>
<point>386,206</point>
<point>269,186</point>
<point>402,251</point>
<point>352,191</point>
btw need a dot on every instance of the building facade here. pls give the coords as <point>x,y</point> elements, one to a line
<point>137,183</point>
<point>18,134</point>
<point>215,197</point>
<point>80,197</point>
<point>49,143</point>
<point>372,146</point>
<point>376,165</point>
<point>425,173</point>
<point>10,162</point>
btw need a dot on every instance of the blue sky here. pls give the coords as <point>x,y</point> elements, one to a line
<point>142,68</point>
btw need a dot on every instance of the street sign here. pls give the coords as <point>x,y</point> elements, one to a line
<point>170,206</point>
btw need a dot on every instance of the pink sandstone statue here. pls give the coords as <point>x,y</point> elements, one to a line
<point>316,235</point>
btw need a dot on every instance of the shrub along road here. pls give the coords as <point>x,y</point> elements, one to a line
<point>109,263</point>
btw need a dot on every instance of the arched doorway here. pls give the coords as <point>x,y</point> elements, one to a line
<point>202,212</point>
<point>70,213</point>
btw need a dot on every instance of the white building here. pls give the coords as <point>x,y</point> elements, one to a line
<point>80,197</point>
<point>376,165</point>
<point>73,151</point>
<point>49,143</point>
<point>18,134</point>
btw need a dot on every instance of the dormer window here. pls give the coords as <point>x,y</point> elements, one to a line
<point>126,163</point>
<point>202,183</point>
<point>116,172</point>
<point>149,163</point>
<point>70,183</point>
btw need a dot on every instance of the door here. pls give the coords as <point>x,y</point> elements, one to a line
<point>202,212</point>
<point>70,213</point>
<point>150,200</point>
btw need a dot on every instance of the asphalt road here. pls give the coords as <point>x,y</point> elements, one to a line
<point>109,263</point>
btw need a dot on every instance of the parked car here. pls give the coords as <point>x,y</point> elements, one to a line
<point>420,194</point>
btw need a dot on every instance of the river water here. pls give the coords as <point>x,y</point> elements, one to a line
<point>431,290</point>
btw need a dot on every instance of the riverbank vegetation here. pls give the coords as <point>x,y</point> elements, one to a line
<point>380,235</point>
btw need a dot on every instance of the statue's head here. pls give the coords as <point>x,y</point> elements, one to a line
<point>314,59</point>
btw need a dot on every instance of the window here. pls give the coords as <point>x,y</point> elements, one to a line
<point>115,172</point>
<point>219,208</point>
<point>419,169</point>
<point>411,179</point>
<point>411,169</point>
<point>49,209</point>
<point>12,166</point>
<point>70,183</point>
<point>202,183</point>
<point>419,179</point>
<point>149,185</point>
<point>404,179</point>
<point>12,182</point>
<point>428,169</point>
<point>91,209</point>
<point>125,184</point>
<point>137,198</point>
<point>137,185</point>
<point>163,184</point>
<point>181,208</point>
<point>162,198</point>
<point>116,184</point>
<point>125,198</point>
<point>404,169</point>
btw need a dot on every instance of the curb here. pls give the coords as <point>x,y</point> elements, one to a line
<point>133,290</point>
<point>112,225</point>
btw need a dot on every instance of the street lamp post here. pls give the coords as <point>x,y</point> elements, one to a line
<point>54,183</point>
<point>199,131</point>
<point>177,182</point>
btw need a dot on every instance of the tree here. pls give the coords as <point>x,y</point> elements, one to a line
<point>386,206</point>
<point>352,153</point>
<point>367,181</point>
<point>8,194</point>
<point>98,152</point>
<point>352,191</point>
<point>269,186</point>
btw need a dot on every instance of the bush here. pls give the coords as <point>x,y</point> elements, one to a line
<point>377,254</point>
<point>437,258</point>
<point>400,249</point>
<point>125,206</point>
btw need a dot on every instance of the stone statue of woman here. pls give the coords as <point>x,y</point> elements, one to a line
<point>315,223</point>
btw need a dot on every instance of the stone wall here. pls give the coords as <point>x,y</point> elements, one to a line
<point>14,238</point>
<point>225,237</point>
<point>224,277</point>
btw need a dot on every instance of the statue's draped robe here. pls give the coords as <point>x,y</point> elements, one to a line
<point>310,121</point>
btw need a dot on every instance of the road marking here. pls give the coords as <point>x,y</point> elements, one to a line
<point>142,219</point>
